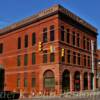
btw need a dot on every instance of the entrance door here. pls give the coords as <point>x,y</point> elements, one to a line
<point>85,81</point>
<point>66,81</point>
<point>77,81</point>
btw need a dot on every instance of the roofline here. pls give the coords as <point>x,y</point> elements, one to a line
<point>46,13</point>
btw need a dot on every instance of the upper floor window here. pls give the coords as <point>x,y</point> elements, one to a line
<point>52,33</point>
<point>52,57</point>
<point>44,35</point>
<point>89,61</point>
<point>95,62</point>
<point>73,38</point>
<point>84,42</point>
<point>62,33</point>
<point>19,43</point>
<point>45,56</point>
<point>68,56</point>
<point>33,39</point>
<point>74,57</point>
<point>33,58</point>
<point>26,41</point>
<point>67,36</point>
<point>25,59</point>
<point>78,58</point>
<point>95,46</point>
<point>84,60</point>
<point>78,40</point>
<point>1,48</point>
<point>88,44</point>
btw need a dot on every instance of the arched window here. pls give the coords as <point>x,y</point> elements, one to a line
<point>49,80</point>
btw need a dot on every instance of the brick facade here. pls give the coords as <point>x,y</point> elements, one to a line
<point>78,48</point>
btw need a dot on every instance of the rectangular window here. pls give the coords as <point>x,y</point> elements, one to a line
<point>18,60</point>
<point>67,36</point>
<point>52,33</point>
<point>49,82</point>
<point>95,63</point>
<point>74,57</point>
<point>33,58</point>
<point>26,41</point>
<point>68,56</point>
<point>84,42</point>
<point>45,56</point>
<point>73,38</point>
<point>19,43</point>
<point>88,61</point>
<point>62,33</point>
<point>1,48</point>
<point>52,57</point>
<point>44,35</point>
<point>78,40</point>
<point>33,39</point>
<point>78,58</point>
<point>84,60</point>
<point>25,59</point>
<point>88,44</point>
<point>95,46</point>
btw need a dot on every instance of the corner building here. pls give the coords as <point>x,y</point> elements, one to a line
<point>49,52</point>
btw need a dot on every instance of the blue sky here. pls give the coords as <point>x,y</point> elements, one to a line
<point>15,10</point>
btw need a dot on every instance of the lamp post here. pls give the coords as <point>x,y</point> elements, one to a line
<point>92,55</point>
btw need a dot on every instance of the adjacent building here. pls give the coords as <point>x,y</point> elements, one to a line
<point>98,68</point>
<point>51,51</point>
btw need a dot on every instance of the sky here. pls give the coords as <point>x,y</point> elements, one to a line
<point>12,11</point>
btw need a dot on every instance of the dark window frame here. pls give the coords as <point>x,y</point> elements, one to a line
<point>25,59</point>
<point>26,41</point>
<point>19,42</point>
<point>69,56</point>
<point>52,57</point>
<point>33,58</point>
<point>67,36</point>
<point>73,39</point>
<point>45,36</point>
<point>74,57</point>
<point>45,56</point>
<point>33,38</point>
<point>62,33</point>
<point>52,33</point>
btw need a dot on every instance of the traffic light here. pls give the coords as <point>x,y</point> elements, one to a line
<point>40,46</point>
<point>51,49</point>
<point>62,52</point>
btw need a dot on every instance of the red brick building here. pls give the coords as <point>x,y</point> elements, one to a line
<point>49,51</point>
<point>98,68</point>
